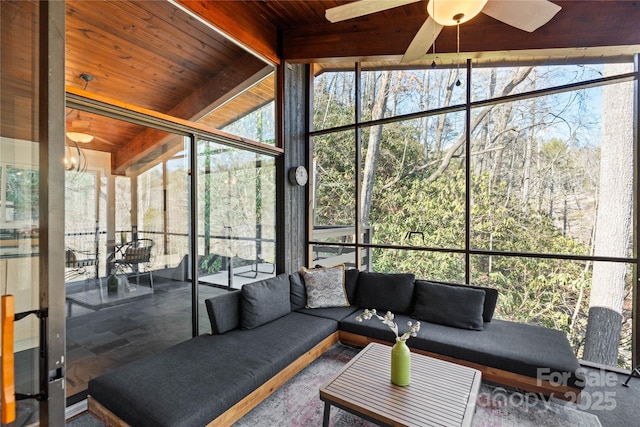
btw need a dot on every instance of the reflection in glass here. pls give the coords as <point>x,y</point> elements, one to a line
<point>236,212</point>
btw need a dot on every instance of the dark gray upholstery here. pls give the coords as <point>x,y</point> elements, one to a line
<point>351,284</point>
<point>385,292</point>
<point>510,346</point>
<point>194,382</point>
<point>264,301</point>
<point>298,297</point>
<point>335,313</point>
<point>490,297</point>
<point>224,311</point>
<point>456,306</point>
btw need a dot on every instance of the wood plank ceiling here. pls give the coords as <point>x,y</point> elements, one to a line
<point>154,55</point>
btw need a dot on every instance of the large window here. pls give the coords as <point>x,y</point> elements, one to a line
<point>535,198</point>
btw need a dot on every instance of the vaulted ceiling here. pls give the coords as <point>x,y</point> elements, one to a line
<point>154,55</point>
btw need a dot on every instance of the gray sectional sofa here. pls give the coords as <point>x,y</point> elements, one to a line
<point>263,334</point>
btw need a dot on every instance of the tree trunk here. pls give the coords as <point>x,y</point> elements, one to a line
<point>373,148</point>
<point>613,222</point>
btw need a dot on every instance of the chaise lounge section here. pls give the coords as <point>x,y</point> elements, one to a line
<point>265,333</point>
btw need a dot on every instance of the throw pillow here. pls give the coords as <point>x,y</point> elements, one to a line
<point>325,287</point>
<point>460,307</point>
<point>385,292</point>
<point>490,297</point>
<point>264,301</point>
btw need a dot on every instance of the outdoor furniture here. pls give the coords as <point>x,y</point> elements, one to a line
<point>78,261</point>
<point>440,393</point>
<point>635,372</point>
<point>133,254</point>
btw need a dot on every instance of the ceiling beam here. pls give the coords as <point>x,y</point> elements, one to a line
<point>227,83</point>
<point>235,20</point>
<point>579,24</point>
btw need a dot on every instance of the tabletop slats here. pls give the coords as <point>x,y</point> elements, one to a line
<point>440,394</point>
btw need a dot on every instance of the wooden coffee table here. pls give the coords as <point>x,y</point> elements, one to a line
<point>440,393</point>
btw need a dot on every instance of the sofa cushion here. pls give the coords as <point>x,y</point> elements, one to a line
<point>298,295</point>
<point>224,311</point>
<point>385,292</point>
<point>490,297</point>
<point>203,377</point>
<point>325,287</point>
<point>511,346</point>
<point>351,284</point>
<point>264,301</point>
<point>460,307</point>
<point>335,313</point>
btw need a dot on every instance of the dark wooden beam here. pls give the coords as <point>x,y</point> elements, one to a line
<point>238,21</point>
<point>578,25</point>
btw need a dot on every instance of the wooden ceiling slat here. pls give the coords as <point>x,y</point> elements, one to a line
<point>578,25</point>
<point>236,19</point>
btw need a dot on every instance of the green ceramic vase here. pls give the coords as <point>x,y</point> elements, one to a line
<point>400,363</point>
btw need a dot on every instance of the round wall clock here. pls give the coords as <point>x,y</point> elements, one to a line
<point>298,175</point>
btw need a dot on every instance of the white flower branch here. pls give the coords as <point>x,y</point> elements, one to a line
<point>388,320</point>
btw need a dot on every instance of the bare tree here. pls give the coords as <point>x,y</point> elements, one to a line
<point>373,148</point>
<point>613,222</point>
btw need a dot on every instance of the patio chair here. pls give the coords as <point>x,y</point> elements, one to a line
<point>77,263</point>
<point>133,254</point>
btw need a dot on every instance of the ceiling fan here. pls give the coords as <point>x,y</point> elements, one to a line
<point>527,15</point>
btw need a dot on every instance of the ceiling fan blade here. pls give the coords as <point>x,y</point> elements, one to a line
<point>422,41</point>
<point>361,8</point>
<point>527,15</point>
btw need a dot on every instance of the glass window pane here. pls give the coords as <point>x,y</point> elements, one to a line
<point>334,100</point>
<point>445,266</point>
<point>413,182</point>
<point>489,82</point>
<point>539,188</point>
<point>236,193</point>
<point>334,180</point>
<point>411,91</point>
<point>249,115</point>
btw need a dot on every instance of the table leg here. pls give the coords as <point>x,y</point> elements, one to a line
<point>327,411</point>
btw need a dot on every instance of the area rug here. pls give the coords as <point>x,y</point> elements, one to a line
<point>297,403</point>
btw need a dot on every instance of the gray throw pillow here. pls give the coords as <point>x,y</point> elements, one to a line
<point>264,301</point>
<point>385,292</point>
<point>325,287</point>
<point>456,306</point>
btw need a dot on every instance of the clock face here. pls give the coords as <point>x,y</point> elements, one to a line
<point>298,175</point>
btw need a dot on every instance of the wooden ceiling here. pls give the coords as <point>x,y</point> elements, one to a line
<point>155,55</point>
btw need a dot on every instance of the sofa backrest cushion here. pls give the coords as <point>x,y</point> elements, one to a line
<point>224,311</point>
<point>385,292</point>
<point>264,301</point>
<point>325,287</point>
<point>351,284</point>
<point>298,296</point>
<point>456,306</point>
<point>490,297</point>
